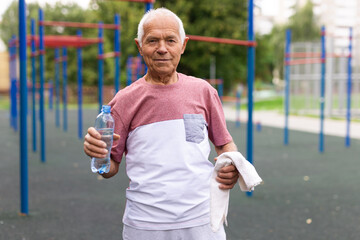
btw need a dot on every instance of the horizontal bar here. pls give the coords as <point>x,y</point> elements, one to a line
<point>109,55</point>
<point>222,40</point>
<point>78,24</point>
<point>305,61</point>
<point>314,54</point>
<point>214,81</point>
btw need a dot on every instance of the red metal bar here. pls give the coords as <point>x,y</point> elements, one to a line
<point>78,24</point>
<point>214,81</point>
<point>61,41</point>
<point>313,55</point>
<point>304,54</point>
<point>304,61</point>
<point>222,40</point>
<point>109,55</point>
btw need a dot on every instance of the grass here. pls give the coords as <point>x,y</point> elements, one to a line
<point>276,103</point>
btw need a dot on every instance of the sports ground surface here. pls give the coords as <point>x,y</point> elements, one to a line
<point>306,195</point>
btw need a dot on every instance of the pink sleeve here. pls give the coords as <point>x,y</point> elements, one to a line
<point>119,146</point>
<point>218,133</point>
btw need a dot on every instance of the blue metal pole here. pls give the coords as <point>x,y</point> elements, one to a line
<point>13,88</point>
<point>10,81</point>
<point>23,111</point>
<point>100,63</point>
<point>138,66</point>
<point>13,105</point>
<point>42,80</point>
<point>33,76</point>
<point>14,78</point>
<point>148,6</point>
<point>348,113</point>
<point>117,51</point>
<point>57,88</point>
<point>238,108</point>
<point>64,72</point>
<point>79,78</point>
<point>322,90</point>
<point>129,71</point>
<point>287,85</point>
<point>250,81</point>
<point>221,89</point>
<point>51,90</point>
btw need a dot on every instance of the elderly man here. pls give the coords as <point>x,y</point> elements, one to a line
<point>162,124</point>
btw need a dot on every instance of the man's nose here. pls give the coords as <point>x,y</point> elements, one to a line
<point>162,47</point>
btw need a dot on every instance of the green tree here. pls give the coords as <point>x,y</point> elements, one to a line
<point>304,27</point>
<point>213,18</point>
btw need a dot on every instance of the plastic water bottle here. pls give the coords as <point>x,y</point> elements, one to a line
<point>104,124</point>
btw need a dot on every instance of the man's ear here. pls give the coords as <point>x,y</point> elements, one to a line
<point>184,45</point>
<point>138,45</point>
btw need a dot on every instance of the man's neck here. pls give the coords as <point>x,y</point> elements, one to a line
<point>161,80</point>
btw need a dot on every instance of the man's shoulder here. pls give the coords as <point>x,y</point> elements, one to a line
<point>131,89</point>
<point>128,94</point>
<point>194,80</point>
<point>190,78</point>
<point>197,83</point>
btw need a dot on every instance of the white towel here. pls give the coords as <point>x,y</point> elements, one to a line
<point>219,198</point>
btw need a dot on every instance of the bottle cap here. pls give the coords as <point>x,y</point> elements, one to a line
<point>105,108</point>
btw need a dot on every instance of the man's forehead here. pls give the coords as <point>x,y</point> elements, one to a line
<point>161,22</point>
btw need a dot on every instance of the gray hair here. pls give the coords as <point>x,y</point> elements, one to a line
<point>152,13</point>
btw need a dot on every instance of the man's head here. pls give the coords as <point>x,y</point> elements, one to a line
<point>153,13</point>
<point>161,41</point>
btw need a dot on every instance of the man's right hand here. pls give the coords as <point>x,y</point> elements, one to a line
<point>94,146</point>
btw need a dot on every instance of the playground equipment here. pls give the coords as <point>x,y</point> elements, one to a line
<point>42,43</point>
<point>64,42</point>
<point>317,73</point>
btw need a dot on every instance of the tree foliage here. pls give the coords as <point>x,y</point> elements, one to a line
<point>304,27</point>
<point>214,18</point>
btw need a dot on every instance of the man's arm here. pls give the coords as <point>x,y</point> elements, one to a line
<point>95,147</point>
<point>227,176</point>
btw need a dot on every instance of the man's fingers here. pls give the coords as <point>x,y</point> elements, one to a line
<point>99,147</point>
<point>116,136</point>
<point>228,175</point>
<point>94,154</point>
<point>225,187</point>
<point>94,141</point>
<point>230,168</point>
<point>94,133</point>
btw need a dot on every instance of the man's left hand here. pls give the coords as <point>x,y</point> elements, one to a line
<point>227,177</point>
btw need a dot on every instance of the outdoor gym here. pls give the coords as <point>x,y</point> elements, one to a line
<point>307,152</point>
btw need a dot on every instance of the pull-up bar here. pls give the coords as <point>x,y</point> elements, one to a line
<point>55,41</point>
<point>304,61</point>
<point>314,55</point>
<point>222,40</point>
<point>78,24</point>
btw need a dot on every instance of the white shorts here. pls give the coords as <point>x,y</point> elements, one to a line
<point>203,232</point>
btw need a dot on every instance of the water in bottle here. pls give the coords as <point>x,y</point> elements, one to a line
<point>104,124</point>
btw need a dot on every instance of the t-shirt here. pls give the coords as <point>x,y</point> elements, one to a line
<point>164,133</point>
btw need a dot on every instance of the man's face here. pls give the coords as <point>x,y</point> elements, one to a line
<point>161,45</point>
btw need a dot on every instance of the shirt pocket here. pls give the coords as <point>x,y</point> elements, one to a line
<point>194,127</point>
